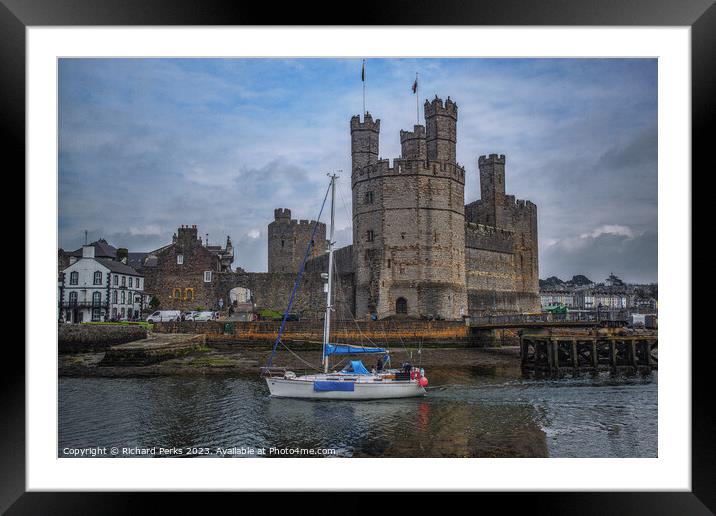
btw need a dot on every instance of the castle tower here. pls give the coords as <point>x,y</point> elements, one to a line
<point>364,141</point>
<point>288,240</point>
<point>492,189</point>
<point>441,125</point>
<point>412,143</point>
<point>409,225</point>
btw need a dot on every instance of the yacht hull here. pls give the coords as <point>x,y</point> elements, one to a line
<point>298,388</point>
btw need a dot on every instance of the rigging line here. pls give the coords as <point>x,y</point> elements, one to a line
<point>363,335</point>
<point>298,278</point>
<point>298,357</point>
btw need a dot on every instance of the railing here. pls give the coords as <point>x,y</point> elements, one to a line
<point>570,317</point>
<point>82,304</point>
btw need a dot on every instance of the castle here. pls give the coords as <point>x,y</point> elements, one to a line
<point>418,249</point>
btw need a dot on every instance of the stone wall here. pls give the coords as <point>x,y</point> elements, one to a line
<point>76,338</point>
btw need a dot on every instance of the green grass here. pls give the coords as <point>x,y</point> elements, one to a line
<point>143,324</point>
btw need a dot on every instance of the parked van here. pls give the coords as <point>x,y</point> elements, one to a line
<point>164,316</point>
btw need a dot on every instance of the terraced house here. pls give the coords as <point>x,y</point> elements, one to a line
<point>99,289</point>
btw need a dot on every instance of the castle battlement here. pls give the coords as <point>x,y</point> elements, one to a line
<point>282,214</point>
<point>433,168</point>
<point>481,236</point>
<point>417,132</point>
<point>367,124</point>
<point>492,158</point>
<point>436,107</point>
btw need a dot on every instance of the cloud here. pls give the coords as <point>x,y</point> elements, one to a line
<point>600,253</point>
<point>146,145</point>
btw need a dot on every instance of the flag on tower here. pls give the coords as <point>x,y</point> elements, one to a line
<point>362,72</point>
<point>415,84</point>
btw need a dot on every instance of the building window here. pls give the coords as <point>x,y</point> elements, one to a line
<point>139,286</point>
<point>123,313</point>
<point>116,280</point>
<point>97,278</point>
<point>369,235</point>
<point>401,306</point>
<point>176,293</point>
<point>207,276</point>
<point>131,280</point>
<point>180,259</point>
<point>189,294</point>
<point>114,312</point>
<point>124,281</point>
<point>389,263</point>
<point>369,197</point>
<point>114,297</point>
<point>95,315</point>
<point>282,243</point>
<point>97,298</point>
<point>73,297</point>
<point>74,277</point>
<point>124,299</point>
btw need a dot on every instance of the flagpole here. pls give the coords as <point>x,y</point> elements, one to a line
<point>417,97</point>
<point>363,80</point>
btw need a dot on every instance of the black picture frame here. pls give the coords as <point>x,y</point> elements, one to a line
<point>700,15</point>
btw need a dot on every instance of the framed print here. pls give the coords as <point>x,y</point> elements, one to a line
<point>421,242</point>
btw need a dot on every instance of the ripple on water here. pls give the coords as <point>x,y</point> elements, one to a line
<point>466,413</point>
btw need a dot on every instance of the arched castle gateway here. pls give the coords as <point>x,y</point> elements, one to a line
<point>418,250</point>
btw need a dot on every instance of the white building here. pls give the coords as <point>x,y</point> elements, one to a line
<point>100,289</point>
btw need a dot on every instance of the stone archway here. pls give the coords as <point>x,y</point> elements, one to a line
<point>241,304</point>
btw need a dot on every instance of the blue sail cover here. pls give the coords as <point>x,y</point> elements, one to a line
<point>326,386</point>
<point>355,367</point>
<point>345,349</point>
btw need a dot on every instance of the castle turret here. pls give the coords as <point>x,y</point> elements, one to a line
<point>412,143</point>
<point>364,141</point>
<point>492,189</point>
<point>441,129</point>
<point>288,240</point>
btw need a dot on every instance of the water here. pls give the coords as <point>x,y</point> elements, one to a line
<point>468,413</point>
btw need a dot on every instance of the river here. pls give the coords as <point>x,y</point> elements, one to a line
<point>469,412</point>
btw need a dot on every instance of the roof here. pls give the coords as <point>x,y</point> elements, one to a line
<point>101,250</point>
<point>136,259</point>
<point>118,267</point>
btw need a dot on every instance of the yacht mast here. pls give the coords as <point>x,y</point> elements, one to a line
<point>329,306</point>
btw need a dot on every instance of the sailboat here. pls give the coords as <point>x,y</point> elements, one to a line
<point>354,381</point>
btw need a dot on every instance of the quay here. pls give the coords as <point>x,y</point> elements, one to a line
<point>559,351</point>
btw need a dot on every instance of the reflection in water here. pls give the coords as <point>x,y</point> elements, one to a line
<point>469,412</point>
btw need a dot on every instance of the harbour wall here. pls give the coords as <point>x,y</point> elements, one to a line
<point>385,332</point>
<point>76,338</point>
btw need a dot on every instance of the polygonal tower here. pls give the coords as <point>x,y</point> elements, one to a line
<point>409,220</point>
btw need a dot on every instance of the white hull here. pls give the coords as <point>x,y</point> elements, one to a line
<point>302,387</point>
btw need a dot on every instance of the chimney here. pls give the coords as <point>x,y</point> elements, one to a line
<point>87,251</point>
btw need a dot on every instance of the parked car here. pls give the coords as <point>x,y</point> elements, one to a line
<point>201,316</point>
<point>164,316</point>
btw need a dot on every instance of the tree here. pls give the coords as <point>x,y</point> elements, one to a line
<point>153,303</point>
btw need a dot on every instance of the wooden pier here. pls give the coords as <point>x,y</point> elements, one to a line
<point>559,353</point>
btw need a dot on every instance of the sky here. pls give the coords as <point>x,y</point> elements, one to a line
<point>148,145</point>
